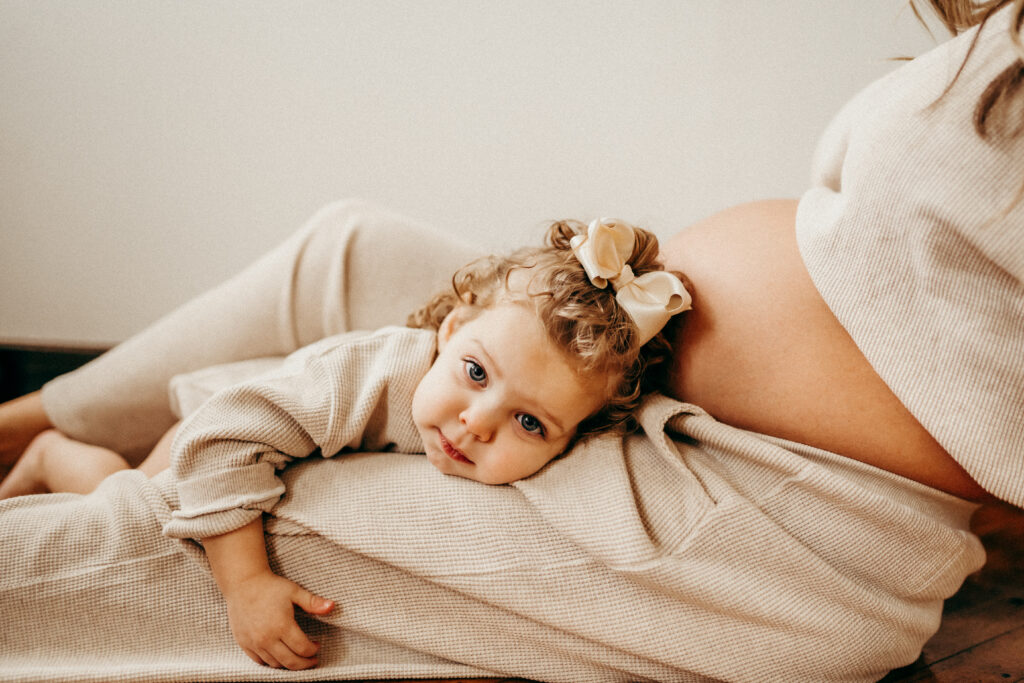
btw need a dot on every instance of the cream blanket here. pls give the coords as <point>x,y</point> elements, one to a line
<point>695,551</point>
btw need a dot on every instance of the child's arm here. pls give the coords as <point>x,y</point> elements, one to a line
<point>260,603</point>
<point>225,460</point>
<point>344,393</point>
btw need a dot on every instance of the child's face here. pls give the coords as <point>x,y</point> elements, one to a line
<point>500,400</point>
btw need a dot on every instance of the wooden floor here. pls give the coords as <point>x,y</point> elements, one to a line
<point>982,634</point>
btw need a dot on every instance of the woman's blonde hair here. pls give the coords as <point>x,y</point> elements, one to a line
<point>586,323</point>
<point>998,107</point>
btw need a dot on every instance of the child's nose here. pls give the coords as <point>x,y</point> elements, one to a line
<point>478,421</point>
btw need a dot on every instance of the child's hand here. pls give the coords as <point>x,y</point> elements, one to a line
<point>261,603</point>
<point>262,616</point>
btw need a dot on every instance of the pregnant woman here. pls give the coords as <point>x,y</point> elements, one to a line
<point>848,386</point>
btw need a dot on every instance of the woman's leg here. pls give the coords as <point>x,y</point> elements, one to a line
<point>352,266</point>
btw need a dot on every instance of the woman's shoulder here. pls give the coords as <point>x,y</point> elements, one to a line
<point>762,351</point>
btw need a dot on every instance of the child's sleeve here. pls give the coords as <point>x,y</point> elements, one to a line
<point>337,394</point>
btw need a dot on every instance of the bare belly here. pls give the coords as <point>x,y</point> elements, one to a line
<point>762,351</point>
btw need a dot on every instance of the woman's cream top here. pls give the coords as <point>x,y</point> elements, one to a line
<point>912,236</point>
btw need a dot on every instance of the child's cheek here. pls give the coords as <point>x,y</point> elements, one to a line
<point>421,403</point>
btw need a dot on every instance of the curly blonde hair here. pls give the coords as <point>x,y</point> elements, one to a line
<point>598,337</point>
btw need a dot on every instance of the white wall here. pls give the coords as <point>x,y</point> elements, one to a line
<point>150,148</point>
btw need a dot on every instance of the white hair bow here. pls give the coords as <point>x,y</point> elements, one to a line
<point>651,299</point>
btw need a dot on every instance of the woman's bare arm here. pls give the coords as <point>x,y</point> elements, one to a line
<point>762,351</point>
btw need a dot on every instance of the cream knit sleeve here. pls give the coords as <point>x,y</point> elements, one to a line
<point>353,391</point>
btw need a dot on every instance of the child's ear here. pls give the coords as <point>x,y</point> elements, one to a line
<point>452,322</point>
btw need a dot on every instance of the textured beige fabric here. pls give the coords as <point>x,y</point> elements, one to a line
<point>904,235</point>
<point>717,555</point>
<point>188,391</point>
<point>351,391</point>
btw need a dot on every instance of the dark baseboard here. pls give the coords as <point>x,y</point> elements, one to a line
<point>25,368</point>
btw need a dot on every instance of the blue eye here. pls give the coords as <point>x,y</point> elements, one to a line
<point>475,371</point>
<point>530,423</point>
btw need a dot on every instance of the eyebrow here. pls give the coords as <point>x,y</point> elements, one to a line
<point>487,357</point>
<point>549,417</point>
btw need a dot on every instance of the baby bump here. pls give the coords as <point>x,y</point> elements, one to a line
<point>761,351</point>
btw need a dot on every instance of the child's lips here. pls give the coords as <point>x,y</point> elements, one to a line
<point>451,451</point>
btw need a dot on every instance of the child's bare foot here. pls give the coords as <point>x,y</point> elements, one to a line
<point>28,474</point>
<point>21,420</point>
<point>55,462</point>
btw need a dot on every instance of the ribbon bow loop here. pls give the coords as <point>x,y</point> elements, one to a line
<point>650,299</point>
<point>608,245</point>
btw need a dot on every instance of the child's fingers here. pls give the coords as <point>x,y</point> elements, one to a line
<point>298,642</point>
<point>311,604</point>
<point>287,657</point>
<point>268,659</point>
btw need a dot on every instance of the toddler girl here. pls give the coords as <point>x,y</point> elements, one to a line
<point>492,379</point>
